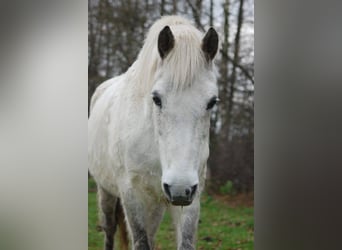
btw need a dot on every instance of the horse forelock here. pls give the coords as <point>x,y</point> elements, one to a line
<point>181,66</point>
<point>186,61</point>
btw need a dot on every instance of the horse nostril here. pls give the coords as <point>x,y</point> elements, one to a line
<point>167,190</point>
<point>193,190</point>
<point>187,191</point>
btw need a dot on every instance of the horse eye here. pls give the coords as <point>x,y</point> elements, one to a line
<point>157,101</point>
<point>212,102</point>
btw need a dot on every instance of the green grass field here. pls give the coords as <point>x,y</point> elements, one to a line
<point>221,227</point>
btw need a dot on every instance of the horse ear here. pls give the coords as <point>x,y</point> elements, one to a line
<point>210,44</point>
<point>166,41</point>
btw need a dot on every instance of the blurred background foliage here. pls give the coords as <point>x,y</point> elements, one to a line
<point>116,33</point>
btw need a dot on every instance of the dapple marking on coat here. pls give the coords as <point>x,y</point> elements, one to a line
<point>148,134</point>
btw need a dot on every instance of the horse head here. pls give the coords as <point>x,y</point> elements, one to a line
<point>183,94</point>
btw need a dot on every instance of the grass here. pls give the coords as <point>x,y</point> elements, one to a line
<point>221,227</point>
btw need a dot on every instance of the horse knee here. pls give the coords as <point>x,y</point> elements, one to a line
<point>107,202</point>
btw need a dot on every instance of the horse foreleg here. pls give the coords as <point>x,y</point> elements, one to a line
<point>154,217</point>
<point>135,214</point>
<point>107,204</point>
<point>186,221</point>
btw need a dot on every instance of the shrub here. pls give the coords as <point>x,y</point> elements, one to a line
<point>228,188</point>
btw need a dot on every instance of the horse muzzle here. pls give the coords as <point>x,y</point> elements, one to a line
<point>179,195</point>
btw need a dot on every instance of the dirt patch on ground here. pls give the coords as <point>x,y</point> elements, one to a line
<point>238,200</point>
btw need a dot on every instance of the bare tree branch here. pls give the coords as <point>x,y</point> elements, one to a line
<point>243,69</point>
<point>162,7</point>
<point>239,66</point>
<point>196,14</point>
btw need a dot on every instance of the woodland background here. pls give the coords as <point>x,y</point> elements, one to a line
<point>116,33</point>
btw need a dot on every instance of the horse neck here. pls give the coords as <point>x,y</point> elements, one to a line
<point>137,98</point>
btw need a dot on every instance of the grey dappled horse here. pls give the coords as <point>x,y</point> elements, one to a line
<point>148,134</point>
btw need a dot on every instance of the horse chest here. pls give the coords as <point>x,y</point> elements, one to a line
<point>147,182</point>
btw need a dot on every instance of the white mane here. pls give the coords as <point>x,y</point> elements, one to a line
<point>183,62</point>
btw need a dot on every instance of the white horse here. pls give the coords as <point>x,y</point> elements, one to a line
<point>148,134</point>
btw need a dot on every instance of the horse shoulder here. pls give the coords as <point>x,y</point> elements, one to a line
<point>99,143</point>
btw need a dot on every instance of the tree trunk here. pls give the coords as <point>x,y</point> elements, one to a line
<point>235,63</point>
<point>211,13</point>
<point>175,7</point>
<point>224,73</point>
<point>162,7</point>
<point>237,42</point>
